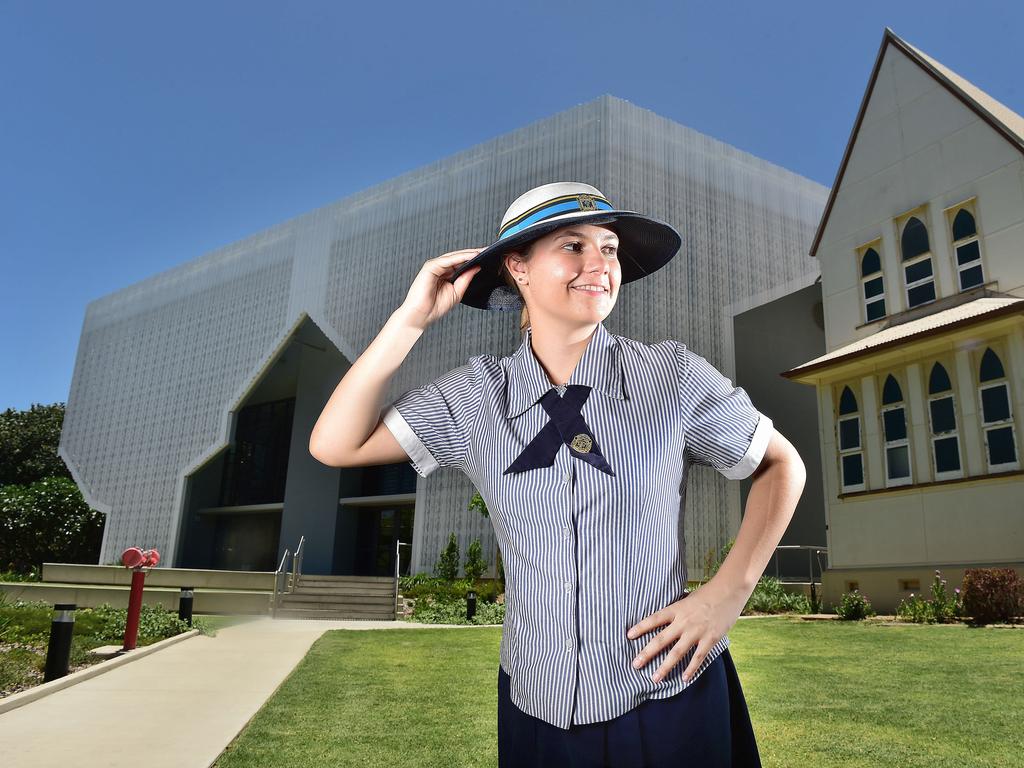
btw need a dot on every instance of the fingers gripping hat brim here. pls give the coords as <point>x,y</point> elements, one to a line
<point>645,246</point>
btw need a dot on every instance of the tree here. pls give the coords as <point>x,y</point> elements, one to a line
<point>447,566</point>
<point>43,516</point>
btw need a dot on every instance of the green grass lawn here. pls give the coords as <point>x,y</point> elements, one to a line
<point>820,694</point>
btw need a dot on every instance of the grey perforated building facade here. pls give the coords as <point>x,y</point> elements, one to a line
<point>194,391</point>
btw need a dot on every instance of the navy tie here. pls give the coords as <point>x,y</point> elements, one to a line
<point>566,427</point>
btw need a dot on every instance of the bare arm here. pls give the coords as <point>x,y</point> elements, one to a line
<point>778,483</point>
<point>350,431</point>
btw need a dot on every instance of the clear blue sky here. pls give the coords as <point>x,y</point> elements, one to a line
<point>138,136</point>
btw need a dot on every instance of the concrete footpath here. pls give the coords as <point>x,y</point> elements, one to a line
<point>178,707</point>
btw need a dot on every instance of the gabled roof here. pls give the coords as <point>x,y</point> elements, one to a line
<point>968,313</point>
<point>1004,120</point>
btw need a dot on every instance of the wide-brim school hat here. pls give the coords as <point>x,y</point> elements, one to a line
<point>645,244</point>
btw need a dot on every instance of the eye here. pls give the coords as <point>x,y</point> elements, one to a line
<point>612,249</point>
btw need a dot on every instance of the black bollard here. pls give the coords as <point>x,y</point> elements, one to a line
<point>58,652</point>
<point>185,605</point>
<point>470,604</point>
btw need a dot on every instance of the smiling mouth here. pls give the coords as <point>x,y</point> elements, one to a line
<point>599,292</point>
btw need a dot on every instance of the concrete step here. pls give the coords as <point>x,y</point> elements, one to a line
<point>356,601</point>
<point>347,589</point>
<point>304,613</point>
<point>334,580</point>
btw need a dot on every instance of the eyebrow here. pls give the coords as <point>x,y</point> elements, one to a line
<point>571,233</point>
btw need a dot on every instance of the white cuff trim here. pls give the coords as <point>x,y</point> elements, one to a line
<point>755,452</point>
<point>420,458</point>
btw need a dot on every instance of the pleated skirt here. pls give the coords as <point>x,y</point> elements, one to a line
<point>706,725</point>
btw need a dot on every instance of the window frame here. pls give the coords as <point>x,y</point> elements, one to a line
<point>934,436</point>
<point>903,442</point>
<point>921,214</point>
<point>859,449</point>
<point>971,206</point>
<point>876,246</point>
<point>999,349</point>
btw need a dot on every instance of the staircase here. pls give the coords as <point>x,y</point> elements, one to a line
<point>340,597</point>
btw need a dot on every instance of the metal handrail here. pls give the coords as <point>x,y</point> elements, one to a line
<point>278,589</point>
<point>297,563</point>
<point>398,548</point>
<point>812,550</point>
<point>284,580</point>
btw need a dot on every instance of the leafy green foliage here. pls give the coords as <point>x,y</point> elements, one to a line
<point>854,606</point>
<point>447,566</point>
<point>43,516</point>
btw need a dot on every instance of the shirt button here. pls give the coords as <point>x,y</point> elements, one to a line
<point>568,645</point>
<point>568,586</point>
<point>568,476</point>
<point>565,532</point>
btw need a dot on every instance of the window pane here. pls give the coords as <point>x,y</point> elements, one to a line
<point>849,434</point>
<point>967,253</point>
<point>918,271</point>
<point>921,294</point>
<point>991,366</point>
<point>891,392</point>
<point>876,309</point>
<point>853,470</point>
<point>947,458</point>
<point>895,424</point>
<point>898,461</point>
<point>847,402</point>
<point>872,288</point>
<point>938,380</point>
<point>963,224</point>
<point>971,277</point>
<point>914,240</point>
<point>870,263</point>
<point>995,406</point>
<point>1000,445</point>
<point>943,418</point>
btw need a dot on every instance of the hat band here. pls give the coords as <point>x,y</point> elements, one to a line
<point>559,205</point>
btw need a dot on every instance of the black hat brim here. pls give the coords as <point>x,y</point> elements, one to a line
<point>645,246</point>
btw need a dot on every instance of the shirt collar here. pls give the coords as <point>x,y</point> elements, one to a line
<point>599,368</point>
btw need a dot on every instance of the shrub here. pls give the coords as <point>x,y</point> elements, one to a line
<point>854,606</point>
<point>447,566</point>
<point>432,610</point>
<point>475,565</point>
<point>942,608</point>
<point>769,596</point>
<point>992,595</point>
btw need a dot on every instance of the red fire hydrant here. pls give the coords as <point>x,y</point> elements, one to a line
<point>138,561</point>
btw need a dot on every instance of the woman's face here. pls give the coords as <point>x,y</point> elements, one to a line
<point>560,264</point>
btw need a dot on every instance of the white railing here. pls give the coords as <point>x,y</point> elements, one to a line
<point>285,581</point>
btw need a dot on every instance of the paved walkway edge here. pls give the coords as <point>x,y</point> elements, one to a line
<point>44,689</point>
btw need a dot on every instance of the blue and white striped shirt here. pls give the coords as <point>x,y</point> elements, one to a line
<point>586,554</point>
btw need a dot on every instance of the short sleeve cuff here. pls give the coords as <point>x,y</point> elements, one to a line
<point>420,458</point>
<point>755,452</point>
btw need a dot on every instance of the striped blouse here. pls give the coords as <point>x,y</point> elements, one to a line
<point>587,553</point>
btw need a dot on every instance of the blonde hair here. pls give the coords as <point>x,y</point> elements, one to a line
<point>524,255</point>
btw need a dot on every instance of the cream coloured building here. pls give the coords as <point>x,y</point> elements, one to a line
<point>920,391</point>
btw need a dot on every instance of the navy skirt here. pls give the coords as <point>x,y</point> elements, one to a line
<point>705,725</point>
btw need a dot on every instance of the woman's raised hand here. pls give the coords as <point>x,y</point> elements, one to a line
<point>431,295</point>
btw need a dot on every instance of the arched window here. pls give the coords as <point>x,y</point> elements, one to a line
<point>918,277</point>
<point>942,420</point>
<point>894,429</point>
<point>996,414</point>
<point>873,288</point>
<point>851,451</point>
<point>967,249</point>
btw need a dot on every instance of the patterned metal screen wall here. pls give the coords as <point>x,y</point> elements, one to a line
<point>161,363</point>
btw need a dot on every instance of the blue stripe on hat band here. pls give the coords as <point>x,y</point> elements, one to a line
<point>552,210</point>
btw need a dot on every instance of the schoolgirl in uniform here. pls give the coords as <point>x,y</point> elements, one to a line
<point>579,444</point>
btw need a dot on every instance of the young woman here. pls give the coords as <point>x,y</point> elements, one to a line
<point>579,443</point>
